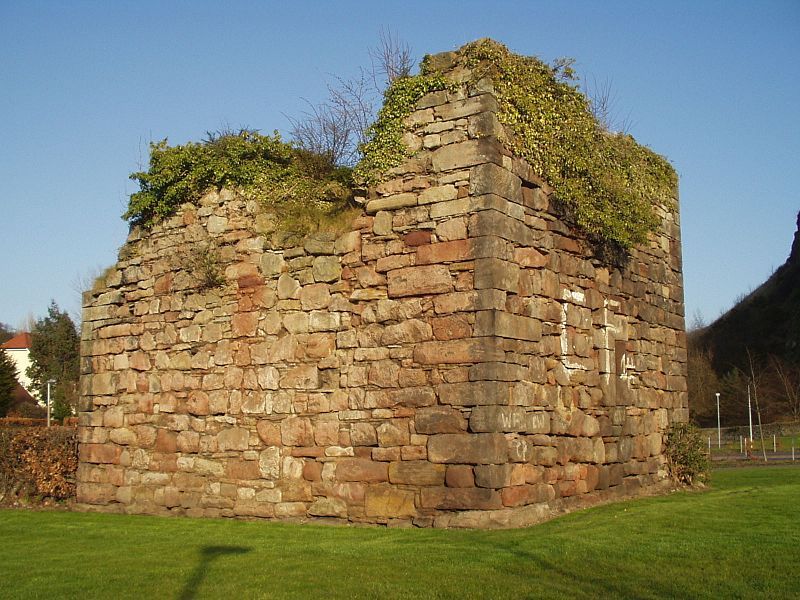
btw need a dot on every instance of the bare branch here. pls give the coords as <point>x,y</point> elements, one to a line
<point>391,57</point>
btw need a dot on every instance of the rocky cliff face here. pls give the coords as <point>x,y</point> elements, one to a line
<point>457,357</point>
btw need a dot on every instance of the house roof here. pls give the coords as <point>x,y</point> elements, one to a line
<point>18,342</point>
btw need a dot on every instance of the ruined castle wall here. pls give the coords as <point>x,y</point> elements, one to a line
<point>456,358</point>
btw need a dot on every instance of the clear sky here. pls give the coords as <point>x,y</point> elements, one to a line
<point>84,87</point>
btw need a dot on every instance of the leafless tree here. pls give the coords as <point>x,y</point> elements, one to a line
<point>391,58</point>
<point>337,127</point>
<point>603,104</point>
<point>788,379</point>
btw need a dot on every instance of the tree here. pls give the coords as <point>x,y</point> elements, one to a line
<point>6,332</point>
<point>8,382</point>
<point>336,128</point>
<point>787,382</point>
<point>55,355</point>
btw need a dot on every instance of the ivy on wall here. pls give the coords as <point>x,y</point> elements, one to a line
<point>606,183</point>
<point>261,166</point>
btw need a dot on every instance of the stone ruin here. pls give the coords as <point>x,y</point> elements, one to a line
<point>457,358</point>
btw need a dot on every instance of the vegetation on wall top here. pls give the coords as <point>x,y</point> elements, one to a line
<point>607,182</point>
<point>261,166</point>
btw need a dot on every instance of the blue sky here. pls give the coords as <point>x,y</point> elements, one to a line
<point>84,86</point>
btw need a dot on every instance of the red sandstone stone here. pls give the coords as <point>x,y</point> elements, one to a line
<point>445,498</point>
<point>416,472</point>
<point>459,476</point>
<point>100,453</point>
<point>417,238</point>
<point>439,419</point>
<point>297,431</point>
<point>386,501</point>
<point>451,327</point>
<point>470,448</point>
<point>244,324</point>
<point>359,469</point>
<point>419,281</point>
<point>444,252</point>
<point>242,469</point>
<point>166,441</point>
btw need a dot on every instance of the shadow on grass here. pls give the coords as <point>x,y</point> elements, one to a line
<point>207,556</point>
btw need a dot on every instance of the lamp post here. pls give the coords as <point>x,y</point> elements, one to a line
<point>719,431</point>
<point>49,382</point>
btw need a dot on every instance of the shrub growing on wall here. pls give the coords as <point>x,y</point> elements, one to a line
<point>262,166</point>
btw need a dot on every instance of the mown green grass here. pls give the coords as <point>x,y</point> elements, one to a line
<point>740,539</point>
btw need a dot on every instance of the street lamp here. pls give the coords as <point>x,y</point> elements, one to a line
<point>719,431</point>
<point>49,382</point>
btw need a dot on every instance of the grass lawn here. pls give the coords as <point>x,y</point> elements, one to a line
<point>740,539</point>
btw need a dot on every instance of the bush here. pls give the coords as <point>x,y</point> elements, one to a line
<point>261,166</point>
<point>37,463</point>
<point>686,458</point>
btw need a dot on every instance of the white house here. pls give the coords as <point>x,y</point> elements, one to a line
<point>19,349</point>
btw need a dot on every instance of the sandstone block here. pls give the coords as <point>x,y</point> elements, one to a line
<point>418,281</point>
<point>382,224</point>
<point>288,287</point>
<point>269,462</point>
<point>439,419</point>
<point>459,476</point>
<point>408,332</point>
<point>492,476</point>
<point>440,193</point>
<point>315,296</point>
<point>360,469</point>
<point>530,257</point>
<point>100,453</point>
<point>493,273</point>
<point>166,441</point>
<point>242,469</point>
<point>326,269</point>
<point>458,351</point>
<point>419,237</point>
<point>391,202</point>
<point>468,448</point>
<point>466,154</point>
<point>470,301</point>
<point>347,242</point>
<point>272,264</point>
<point>328,507</point>
<point>385,501</point>
<point>408,397</point>
<point>443,252</point>
<point>301,377</point>
<point>393,433</point>
<point>233,438</point>
<point>197,403</point>
<point>445,498</point>
<point>297,431</point>
<point>474,393</point>
<point>416,472</point>
<point>492,222</point>
<point>451,327</point>
<point>96,493</point>
<point>528,494</point>
<point>492,179</point>
<point>507,325</point>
